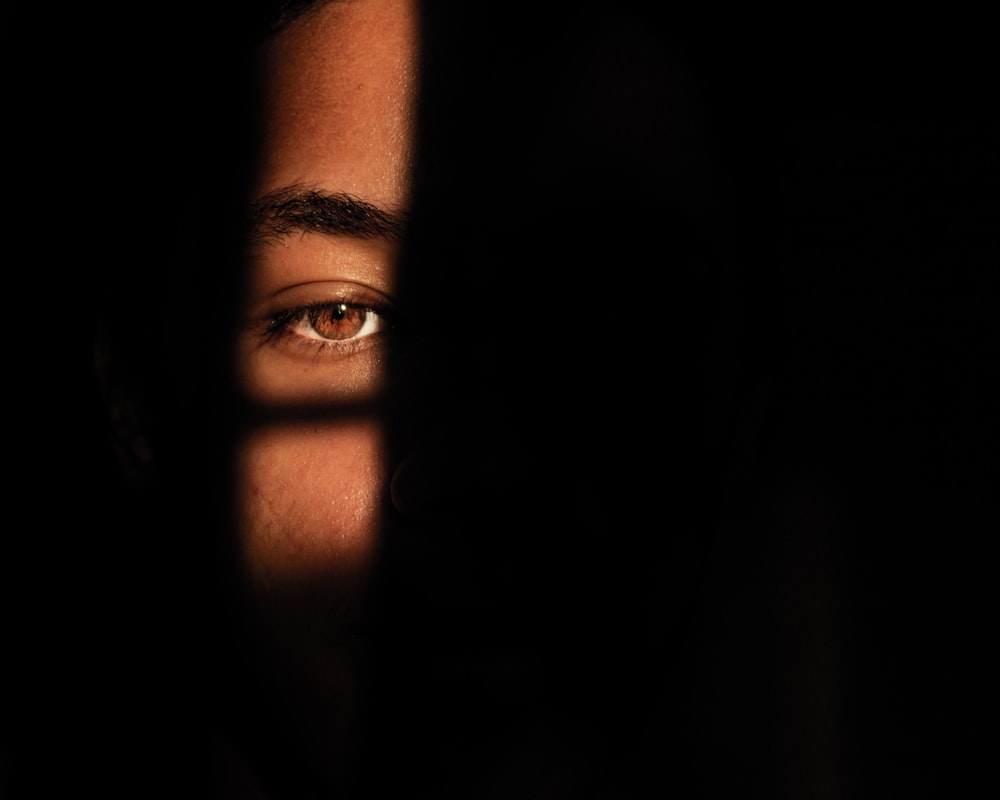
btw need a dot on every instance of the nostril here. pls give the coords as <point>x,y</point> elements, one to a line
<point>428,485</point>
<point>411,486</point>
<point>449,483</point>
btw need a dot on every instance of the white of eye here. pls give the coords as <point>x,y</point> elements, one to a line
<point>309,324</point>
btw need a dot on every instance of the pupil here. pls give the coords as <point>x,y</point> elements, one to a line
<point>338,311</point>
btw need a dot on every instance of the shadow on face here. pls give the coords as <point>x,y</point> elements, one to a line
<point>445,397</point>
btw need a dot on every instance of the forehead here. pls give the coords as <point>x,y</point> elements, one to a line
<point>338,90</point>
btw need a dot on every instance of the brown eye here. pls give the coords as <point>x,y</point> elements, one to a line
<point>336,324</point>
<point>338,321</point>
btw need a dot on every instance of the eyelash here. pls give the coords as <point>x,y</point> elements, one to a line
<point>282,326</point>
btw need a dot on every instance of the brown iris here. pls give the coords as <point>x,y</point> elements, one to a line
<point>337,321</point>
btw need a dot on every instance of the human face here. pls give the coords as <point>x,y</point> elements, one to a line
<point>311,493</point>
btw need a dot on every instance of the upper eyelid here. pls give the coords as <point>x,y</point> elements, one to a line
<point>315,294</point>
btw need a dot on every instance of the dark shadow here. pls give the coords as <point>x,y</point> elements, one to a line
<point>707,368</point>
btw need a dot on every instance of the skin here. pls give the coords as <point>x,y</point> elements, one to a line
<point>464,486</point>
<point>313,497</point>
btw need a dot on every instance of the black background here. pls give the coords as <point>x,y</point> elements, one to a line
<point>838,617</point>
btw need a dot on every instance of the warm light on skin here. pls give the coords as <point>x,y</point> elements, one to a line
<point>338,117</point>
<point>310,498</point>
<point>312,268</point>
<point>339,108</point>
<point>311,495</point>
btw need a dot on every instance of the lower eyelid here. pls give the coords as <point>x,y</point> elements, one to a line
<point>339,347</point>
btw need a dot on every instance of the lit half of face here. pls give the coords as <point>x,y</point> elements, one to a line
<point>329,211</point>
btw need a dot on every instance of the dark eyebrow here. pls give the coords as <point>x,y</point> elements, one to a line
<point>299,209</point>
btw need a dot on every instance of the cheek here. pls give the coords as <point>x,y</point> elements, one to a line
<point>309,511</point>
<point>308,500</point>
